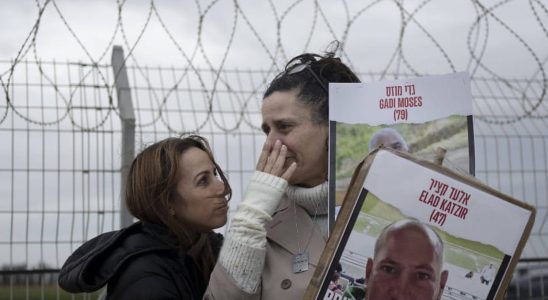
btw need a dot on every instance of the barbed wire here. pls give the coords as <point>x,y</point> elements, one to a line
<point>337,27</point>
<point>535,106</point>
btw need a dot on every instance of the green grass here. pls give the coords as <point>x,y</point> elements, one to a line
<point>46,292</point>
<point>470,262</point>
<point>455,257</point>
<point>353,140</point>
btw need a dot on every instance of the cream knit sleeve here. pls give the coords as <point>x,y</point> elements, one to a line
<point>244,249</point>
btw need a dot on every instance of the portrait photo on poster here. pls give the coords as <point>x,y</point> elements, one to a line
<point>440,227</point>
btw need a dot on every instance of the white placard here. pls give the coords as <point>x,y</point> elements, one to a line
<point>473,214</point>
<point>414,100</point>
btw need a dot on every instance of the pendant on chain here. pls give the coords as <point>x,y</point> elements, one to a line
<point>300,262</point>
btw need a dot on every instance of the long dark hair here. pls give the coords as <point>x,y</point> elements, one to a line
<point>152,186</point>
<point>312,80</point>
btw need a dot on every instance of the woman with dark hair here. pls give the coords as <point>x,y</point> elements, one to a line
<point>179,194</point>
<point>280,229</point>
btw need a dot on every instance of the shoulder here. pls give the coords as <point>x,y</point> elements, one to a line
<point>154,275</point>
<point>92,264</point>
<point>149,266</point>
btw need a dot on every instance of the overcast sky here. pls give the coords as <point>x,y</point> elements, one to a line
<point>371,30</point>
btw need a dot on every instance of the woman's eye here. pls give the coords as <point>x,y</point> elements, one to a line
<point>203,181</point>
<point>285,127</point>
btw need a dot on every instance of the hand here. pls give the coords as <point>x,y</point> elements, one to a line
<point>272,160</point>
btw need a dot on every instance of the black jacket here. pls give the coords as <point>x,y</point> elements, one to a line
<point>138,262</point>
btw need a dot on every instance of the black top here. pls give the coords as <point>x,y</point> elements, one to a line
<point>137,262</point>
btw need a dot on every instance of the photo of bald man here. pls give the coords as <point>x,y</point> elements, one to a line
<point>407,263</point>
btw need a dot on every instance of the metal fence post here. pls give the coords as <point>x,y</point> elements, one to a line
<point>125,105</point>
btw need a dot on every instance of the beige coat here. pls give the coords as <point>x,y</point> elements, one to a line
<point>278,281</point>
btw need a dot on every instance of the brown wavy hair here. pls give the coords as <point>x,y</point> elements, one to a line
<point>152,186</point>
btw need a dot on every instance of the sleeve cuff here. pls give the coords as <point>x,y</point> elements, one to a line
<point>265,191</point>
<point>277,183</point>
<point>245,264</point>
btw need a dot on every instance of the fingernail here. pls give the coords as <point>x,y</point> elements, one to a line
<point>278,142</point>
<point>284,147</point>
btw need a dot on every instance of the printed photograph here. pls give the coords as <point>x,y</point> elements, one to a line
<point>471,265</point>
<point>411,227</point>
<point>355,141</point>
